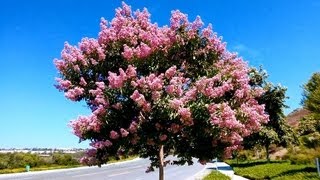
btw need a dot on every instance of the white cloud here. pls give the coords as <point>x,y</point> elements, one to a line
<point>252,55</point>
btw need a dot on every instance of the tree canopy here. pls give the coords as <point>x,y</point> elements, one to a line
<point>159,90</point>
<point>276,131</point>
<point>311,101</point>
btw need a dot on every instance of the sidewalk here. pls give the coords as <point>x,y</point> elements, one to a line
<point>222,167</point>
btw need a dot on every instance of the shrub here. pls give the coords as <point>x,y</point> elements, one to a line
<point>302,155</point>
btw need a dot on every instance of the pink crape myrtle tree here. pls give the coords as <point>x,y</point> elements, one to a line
<point>155,91</point>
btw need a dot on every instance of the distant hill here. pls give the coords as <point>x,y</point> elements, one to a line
<point>294,117</point>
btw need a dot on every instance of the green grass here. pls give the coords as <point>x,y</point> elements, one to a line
<point>274,170</point>
<point>216,175</point>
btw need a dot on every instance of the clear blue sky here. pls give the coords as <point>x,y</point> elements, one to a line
<point>283,36</point>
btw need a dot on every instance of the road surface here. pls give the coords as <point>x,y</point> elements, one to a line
<point>133,170</point>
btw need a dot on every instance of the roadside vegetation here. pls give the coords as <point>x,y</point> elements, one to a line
<point>216,175</point>
<point>274,170</point>
<point>17,162</point>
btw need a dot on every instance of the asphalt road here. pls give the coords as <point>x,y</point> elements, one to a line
<point>132,170</point>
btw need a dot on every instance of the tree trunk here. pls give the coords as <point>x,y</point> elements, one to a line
<point>161,163</point>
<point>267,151</point>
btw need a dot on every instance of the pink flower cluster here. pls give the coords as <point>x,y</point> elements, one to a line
<point>85,124</point>
<point>89,158</point>
<point>124,133</point>
<point>133,127</point>
<point>63,84</point>
<point>117,81</point>
<point>114,135</point>
<point>141,101</point>
<point>186,116</point>
<point>74,94</point>
<point>90,46</point>
<point>98,94</point>
<point>101,144</point>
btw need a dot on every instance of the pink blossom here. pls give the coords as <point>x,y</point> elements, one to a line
<point>175,128</point>
<point>101,110</point>
<point>155,83</point>
<point>117,81</point>
<point>127,52</point>
<point>197,24</point>
<point>84,124</point>
<point>143,51</point>
<point>191,94</point>
<point>170,89</point>
<point>163,137</point>
<point>101,144</point>
<point>146,107</point>
<point>101,54</point>
<point>138,98</point>
<point>64,84</point>
<point>177,19</point>
<point>184,113</point>
<point>89,158</point>
<point>156,95</point>
<point>124,133</point>
<point>83,82</point>
<point>175,103</point>
<point>100,85</point>
<point>131,71</point>
<point>60,64</point>
<point>89,45</point>
<point>74,94</point>
<point>114,135</point>
<point>133,127</point>
<point>207,32</point>
<point>171,72</point>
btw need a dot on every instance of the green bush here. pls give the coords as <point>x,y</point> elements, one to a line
<point>301,159</point>
<point>20,160</point>
<point>64,159</point>
<point>302,155</point>
<point>311,140</point>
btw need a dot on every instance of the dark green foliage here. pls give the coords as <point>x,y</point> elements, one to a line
<point>311,94</point>
<point>276,131</point>
<point>311,101</point>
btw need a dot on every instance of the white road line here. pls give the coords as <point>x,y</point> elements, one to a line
<point>101,172</point>
<point>89,174</point>
<point>27,178</point>
<point>127,172</point>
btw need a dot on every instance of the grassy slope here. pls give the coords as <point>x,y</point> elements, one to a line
<point>215,175</point>
<point>275,170</point>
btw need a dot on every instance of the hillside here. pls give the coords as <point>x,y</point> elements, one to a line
<point>294,117</point>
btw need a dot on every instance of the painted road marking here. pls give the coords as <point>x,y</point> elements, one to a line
<point>101,172</point>
<point>126,172</point>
